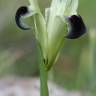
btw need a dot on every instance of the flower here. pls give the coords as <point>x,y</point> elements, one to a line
<point>61,21</point>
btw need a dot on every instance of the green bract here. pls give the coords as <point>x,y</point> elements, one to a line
<point>51,29</point>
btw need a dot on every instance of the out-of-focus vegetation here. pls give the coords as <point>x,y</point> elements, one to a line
<point>75,68</point>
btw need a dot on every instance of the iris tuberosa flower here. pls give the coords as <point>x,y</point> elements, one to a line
<point>61,21</point>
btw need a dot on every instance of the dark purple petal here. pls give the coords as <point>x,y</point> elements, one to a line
<point>21,12</point>
<point>77,27</point>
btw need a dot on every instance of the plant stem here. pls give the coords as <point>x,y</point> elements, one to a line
<point>43,76</point>
<point>43,81</point>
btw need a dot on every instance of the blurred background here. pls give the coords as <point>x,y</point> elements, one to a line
<point>76,66</point>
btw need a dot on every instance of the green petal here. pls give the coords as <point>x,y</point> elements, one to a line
<point>58,7</point>
<point>41,33</point>
<point>34,5</point>
<point>71,7</point>
<point>56,32</point>
<point>40,27</point>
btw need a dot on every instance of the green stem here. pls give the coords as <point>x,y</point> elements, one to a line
<point>43,81</point>
<point>43,76</point>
